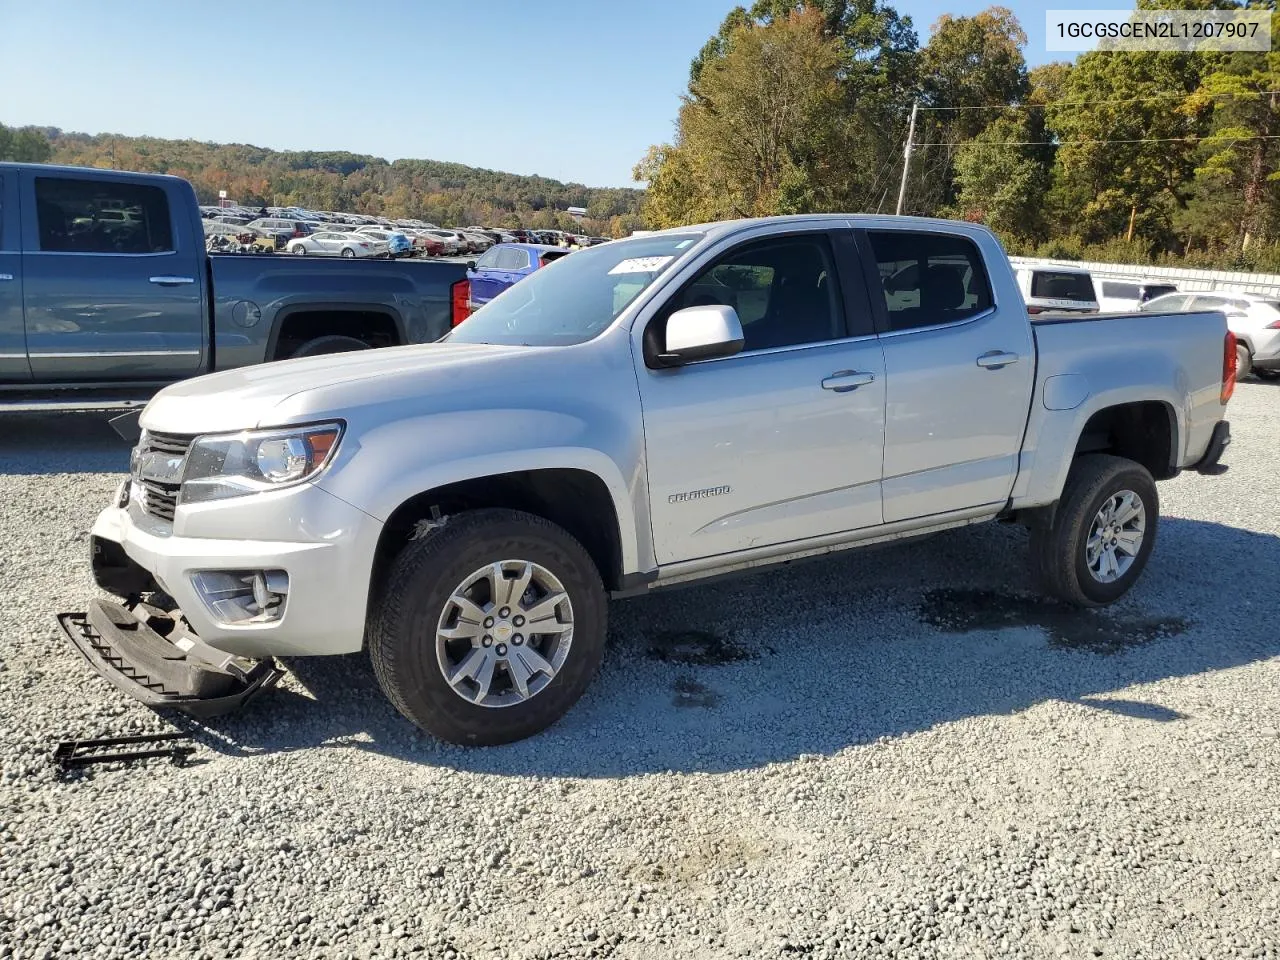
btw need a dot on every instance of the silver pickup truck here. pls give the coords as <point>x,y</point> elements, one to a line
<point>641,413</point>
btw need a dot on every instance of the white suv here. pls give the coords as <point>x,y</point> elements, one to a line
<point>1253,318</point>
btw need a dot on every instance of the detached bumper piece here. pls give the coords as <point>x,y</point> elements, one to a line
<point>81,753</point>
<point>174,672</point>
<point>1218,444</point>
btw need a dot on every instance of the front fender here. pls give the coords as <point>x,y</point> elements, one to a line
<point>387,466</point>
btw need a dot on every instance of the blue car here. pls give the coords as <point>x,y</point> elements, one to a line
<point>505,265</point>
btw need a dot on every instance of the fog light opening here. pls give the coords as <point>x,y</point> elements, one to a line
<point>243,596</point>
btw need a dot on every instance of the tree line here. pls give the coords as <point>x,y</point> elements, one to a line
<point>444,193</point>
<point>800,107</point>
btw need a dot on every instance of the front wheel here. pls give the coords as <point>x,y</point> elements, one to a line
<point>348,252</point>
<point>1102,532</point>
<point>489,628</point>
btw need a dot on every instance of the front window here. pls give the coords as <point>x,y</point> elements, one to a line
<point>574,299</point>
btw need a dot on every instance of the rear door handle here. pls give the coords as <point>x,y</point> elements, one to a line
<point>842,381</point>
<point>995,359</point>
<point>6,276</point>
<point>172,281</point>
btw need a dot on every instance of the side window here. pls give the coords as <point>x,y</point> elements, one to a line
<point>516,260</point>
<point>929,278</point>
<point>1206,303</point>
<point>1124,291</point>
<point>102,216</point>
<point>784,291</point>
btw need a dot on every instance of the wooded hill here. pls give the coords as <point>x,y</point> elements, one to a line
<point>445,193</point>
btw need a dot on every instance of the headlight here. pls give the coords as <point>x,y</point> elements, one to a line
<point>232,465</point>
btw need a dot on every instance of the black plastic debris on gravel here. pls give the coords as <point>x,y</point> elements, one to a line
<point>691,693</point>
<point>695,647</point>
<point>962,611</point>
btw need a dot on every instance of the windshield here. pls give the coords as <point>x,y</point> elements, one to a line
<point>574,299</point>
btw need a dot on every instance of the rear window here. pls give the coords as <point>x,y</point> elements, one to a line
<point>1062,286</point>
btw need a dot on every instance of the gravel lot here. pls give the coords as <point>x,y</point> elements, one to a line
<point>840,759</point>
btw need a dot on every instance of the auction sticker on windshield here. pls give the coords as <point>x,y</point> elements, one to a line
<point>641,265</point>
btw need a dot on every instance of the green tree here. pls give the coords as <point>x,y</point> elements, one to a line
<point>24,145</point>
<point>759,132</point>
<point>1000,179</point>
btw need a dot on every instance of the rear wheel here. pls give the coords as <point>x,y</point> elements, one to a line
<point>331,344</point>
<point>1102,532</point>
<point>488,629</point>
<point>1244,361</point>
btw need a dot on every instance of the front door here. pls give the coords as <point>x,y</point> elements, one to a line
<point>782,441</point>
<point>961,372</point>
<point>112,291</point>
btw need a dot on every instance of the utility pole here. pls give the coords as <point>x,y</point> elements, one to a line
<point>906,157</point>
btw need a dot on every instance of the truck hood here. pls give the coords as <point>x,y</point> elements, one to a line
<point>249,397</point>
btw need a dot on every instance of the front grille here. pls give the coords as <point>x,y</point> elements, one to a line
<point>161,499</point>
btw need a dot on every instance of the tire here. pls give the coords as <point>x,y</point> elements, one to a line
<point>330,344</point>
<point>300,250</point>
<point>1059,551</point>
<point>348,252</point>
<point>1244,362</point>
<point>415,601</point>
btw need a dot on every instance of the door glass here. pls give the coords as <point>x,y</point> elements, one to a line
<point>102,216</point>
<point>783,290</point>
<point>929,278</point>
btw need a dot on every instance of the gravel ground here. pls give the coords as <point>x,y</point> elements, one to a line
<point>894,753</point>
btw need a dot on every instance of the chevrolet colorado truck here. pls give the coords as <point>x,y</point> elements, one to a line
<point>107,293</point>
<point>645,412</point>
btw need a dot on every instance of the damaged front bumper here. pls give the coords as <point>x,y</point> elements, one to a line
<point>154,658</point>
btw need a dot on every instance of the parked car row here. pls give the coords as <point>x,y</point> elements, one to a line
<point>420,238</point>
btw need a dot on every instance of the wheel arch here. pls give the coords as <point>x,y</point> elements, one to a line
<point>296,323</point>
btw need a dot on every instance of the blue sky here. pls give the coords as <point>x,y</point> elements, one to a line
<point>570,89</point>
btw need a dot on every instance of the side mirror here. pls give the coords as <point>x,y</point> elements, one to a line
<point>701,333</point>
<point>471,265</point>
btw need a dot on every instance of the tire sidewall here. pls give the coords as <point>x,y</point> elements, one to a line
<point>1244,361</point>
<point>1139,481</point>
<point>432,702</point>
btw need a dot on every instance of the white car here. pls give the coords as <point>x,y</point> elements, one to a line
<point>334,245</point>
<point>1253,318</point>
<point>1057,290</point>
<point>1126,296</point>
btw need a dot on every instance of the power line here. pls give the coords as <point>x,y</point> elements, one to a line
<point>1088,103</point>
<point>1067,143</point>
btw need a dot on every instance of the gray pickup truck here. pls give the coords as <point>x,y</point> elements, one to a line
<point>642,413</point>
<point>105,287</point>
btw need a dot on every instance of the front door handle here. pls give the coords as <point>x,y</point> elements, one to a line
<point>995,359</point>
<point>842,381</point>
<point>6,276</point>
<point>172,281</point>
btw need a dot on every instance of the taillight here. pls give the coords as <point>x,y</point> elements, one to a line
<point>1228,367</point>
<point>459,295</point>
<point>1274,325</point>
<point>1034,310</point>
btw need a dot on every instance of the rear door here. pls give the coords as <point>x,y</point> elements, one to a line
<point>13,338</point>
<point>109,299</point>
<point>960,369</point>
